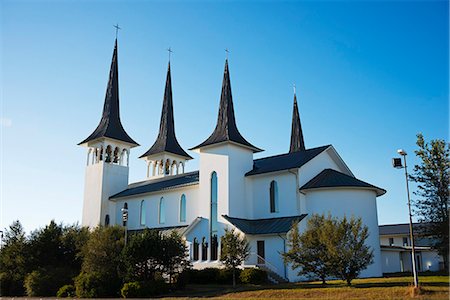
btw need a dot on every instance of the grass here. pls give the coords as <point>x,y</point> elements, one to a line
<point>431,287</point>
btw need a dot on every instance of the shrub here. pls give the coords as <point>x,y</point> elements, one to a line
<point>67,290</point>
<point>253,276</point>
<point>44,282</point>
<point>143,289</point>
<point>94,285</point>
<point>204,276</point>
<point>132,290</point>
<point>225,276</point>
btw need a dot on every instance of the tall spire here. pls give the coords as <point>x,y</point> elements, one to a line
<point>226,128</point>
<point>110,125</point>
<point>166,140</point>
<point>297,142</point>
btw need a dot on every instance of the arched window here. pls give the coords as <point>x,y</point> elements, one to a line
<point>273,196</point>
<point>125,214</point>
<point>107,220</point>
<point>108,154</point>
<point>162,211</point>
<point>204,249</point>
<point>142,214</point>
<point>183,208</point>
<point>213,217</point>
<point>214,247</point>
<point>195,250</point>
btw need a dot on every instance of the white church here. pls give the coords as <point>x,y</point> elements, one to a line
<point>260,198</point>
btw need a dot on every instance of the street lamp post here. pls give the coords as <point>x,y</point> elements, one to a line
<point>397,163</point>
<point>125,219</point>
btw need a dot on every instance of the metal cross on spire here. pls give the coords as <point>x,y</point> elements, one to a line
<point>295,91</point>
<point>227,51</point>
<point>117,28</point>
<point>170,52</point>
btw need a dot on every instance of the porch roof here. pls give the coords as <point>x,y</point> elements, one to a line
<point>265,226</point>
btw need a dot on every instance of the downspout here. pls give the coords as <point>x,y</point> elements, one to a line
<point>284,251</point>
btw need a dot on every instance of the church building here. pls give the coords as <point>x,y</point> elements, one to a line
<point>261,198</point>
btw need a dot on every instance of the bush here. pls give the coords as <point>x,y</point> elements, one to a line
<point>204,276</point>
<point>94,285</point>
<point>225,276</point>
<point>143,289</point>
<point>253,276</point>
<point>44,282</point>
<point>67,290</point>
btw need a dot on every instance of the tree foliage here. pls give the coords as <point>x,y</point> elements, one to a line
<point>99,275</point>
<point>432,176</point>
<point>308,252</point>
<point>13,261</point>
<point>329,247</point>
<point>149,252</point>
<point>235,250</point>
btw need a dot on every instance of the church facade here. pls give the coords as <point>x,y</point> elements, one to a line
<point>260,198</point>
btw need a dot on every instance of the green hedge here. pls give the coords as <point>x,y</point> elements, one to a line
<point>253,276</point>
<point>143,289</point>
<point>225,276</point>
<point>65,291</point>
<point>45,282</point>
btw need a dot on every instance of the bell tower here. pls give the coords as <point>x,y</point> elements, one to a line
<point>166,157</point>
<point>107,163</point>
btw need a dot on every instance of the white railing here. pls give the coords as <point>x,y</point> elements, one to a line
<point>256,258</point>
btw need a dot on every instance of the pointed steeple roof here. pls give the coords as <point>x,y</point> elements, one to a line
<point>110,125</point>
<point>226,128</point>
<point>297,142</point>
<point>166,140</point>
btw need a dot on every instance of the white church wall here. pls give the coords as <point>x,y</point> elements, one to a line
<point>152,201</point>
<point>348,202</point>
<point>287,199</point>
<point>240,162</point>
<point>214,159</point>
<point>316,165</point>
<point>101,181</point>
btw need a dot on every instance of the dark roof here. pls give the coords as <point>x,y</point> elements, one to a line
<point>297,141</point>
<point>265,226</point>
<point>330,178</point>
<point>226,128</point>
<point>154,185</point>
<point>394,229</point>
<point>166,140</point>
<point>284,161</point>
<point>110,125</point>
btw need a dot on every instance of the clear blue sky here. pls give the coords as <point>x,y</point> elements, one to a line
<point>369,76</point>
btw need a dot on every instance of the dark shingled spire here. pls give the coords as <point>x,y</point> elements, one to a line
<point>297,142</point>
<point>110,125</point>
<point>226,129</point>
<point>166,140</point>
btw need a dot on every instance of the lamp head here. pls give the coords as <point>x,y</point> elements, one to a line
<point>402,152</point>
<point>397,163</point>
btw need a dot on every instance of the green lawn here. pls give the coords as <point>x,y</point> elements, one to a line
<point>432,287</point>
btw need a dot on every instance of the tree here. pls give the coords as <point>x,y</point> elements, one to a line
<point>347,248</point>
<point>308,252</point>
<point>330,247</point>
<point>99,275</point>
<point>141,256</point>
<point>235,250</point>
<point>149,252</point>
<point>174,255</point>
<point>432,176</point>
<point>13,261</point>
